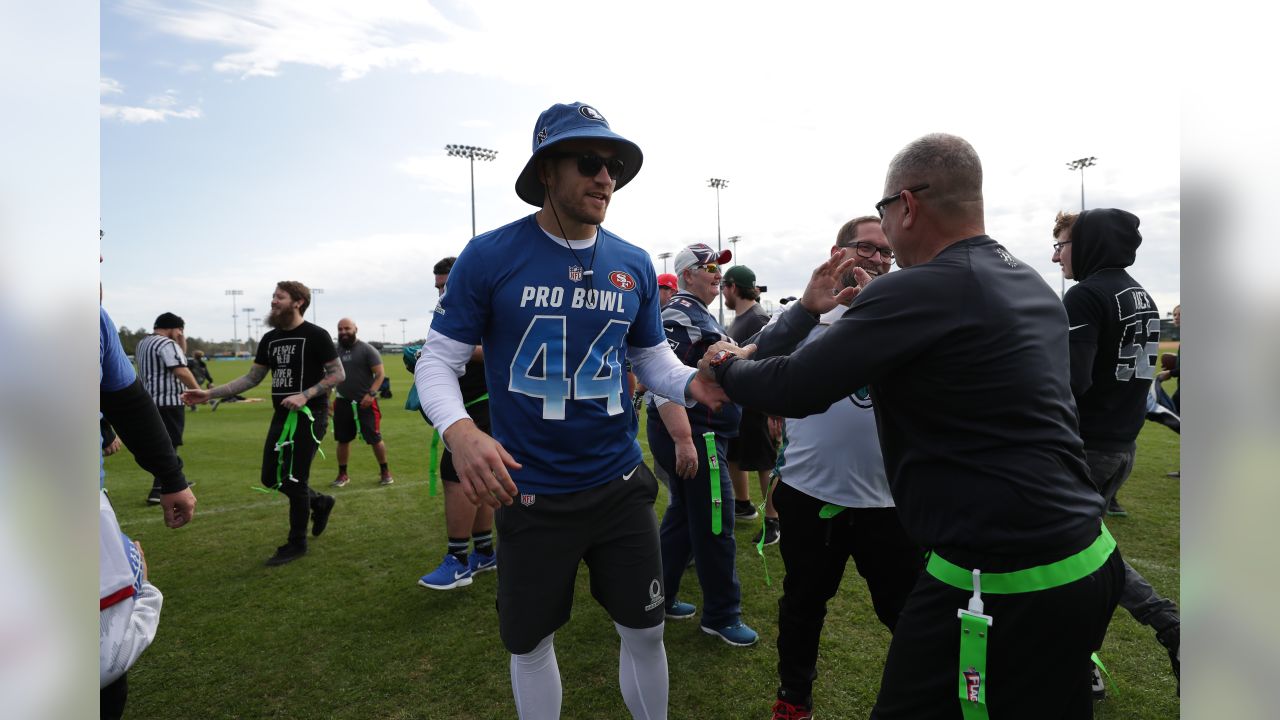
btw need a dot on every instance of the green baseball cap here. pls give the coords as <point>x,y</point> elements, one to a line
<point>740,276</point>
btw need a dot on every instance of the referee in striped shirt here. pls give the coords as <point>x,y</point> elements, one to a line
<point>162,366</point>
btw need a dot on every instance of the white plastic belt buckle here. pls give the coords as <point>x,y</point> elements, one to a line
<point>975,602</point>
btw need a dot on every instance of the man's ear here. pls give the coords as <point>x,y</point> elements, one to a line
<point>911,209</point>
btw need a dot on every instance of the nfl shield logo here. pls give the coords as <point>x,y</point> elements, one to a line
<point>575,273</point>
<point>527,500</point>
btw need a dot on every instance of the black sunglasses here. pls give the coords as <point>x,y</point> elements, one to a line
<point>890,198</point>
<point>589,164</point>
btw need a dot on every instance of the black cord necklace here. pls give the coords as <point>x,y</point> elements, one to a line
<point>590,270</point>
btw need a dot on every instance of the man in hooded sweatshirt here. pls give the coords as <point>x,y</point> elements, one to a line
<point>1115,345</point>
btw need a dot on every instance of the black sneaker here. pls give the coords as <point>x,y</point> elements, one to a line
<point>771,530</point>
<point>744,510</point>
<point>1096,685</point>
<point>320,513</point>
<point>287,553</point>
<point>1114,509</point>
<point>153,497</point>
<point>1169,638</point>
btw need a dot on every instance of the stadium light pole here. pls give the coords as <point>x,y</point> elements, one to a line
<point>663,257</point>
<point>315,311</point>
<point>733,240</point>
<point>718,184</point>
<point>234,327</point>
<point>1080,165</point>
<point>402,322</point>
<point>248,324</point>
<point>384,333</point>
<point>472,153</point>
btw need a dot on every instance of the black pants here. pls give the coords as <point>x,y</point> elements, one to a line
<point>111,699</point>
<point>1037,658</point>
<point>291,466</point>
<point>175,423</point>
<point>815,553</point>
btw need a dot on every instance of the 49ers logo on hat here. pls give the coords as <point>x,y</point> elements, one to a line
<point>622,280</point>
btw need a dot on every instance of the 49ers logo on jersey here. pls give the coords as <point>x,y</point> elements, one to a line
<point>622,280</point>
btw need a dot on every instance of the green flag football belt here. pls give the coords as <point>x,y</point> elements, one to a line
<point>355,412</point>
<point>285,440</point>
<point>975,626</point>
<point>713,467</point>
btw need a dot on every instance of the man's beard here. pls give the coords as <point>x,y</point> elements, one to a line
<point>850,281</point>
<point>347,341</point>
<point>280,319</point>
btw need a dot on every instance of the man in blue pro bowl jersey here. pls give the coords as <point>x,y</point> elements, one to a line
<point>560,304</point>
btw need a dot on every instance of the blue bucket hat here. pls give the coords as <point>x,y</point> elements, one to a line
<point>567,122</point>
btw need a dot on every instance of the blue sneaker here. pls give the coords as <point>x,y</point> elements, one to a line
<point>479,562</point>
<point>677,610</point>
<point>737,634</point>
<point>451,574</point>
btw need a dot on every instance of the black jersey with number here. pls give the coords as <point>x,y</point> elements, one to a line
<point>1115,330</point>
<point>966,356</point>
<point>296,359</point>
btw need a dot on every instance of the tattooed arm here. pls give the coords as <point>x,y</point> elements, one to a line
<point>333,374</point>
<point>235,387</point>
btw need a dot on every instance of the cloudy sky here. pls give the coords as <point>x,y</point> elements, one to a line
<point>248,142</point>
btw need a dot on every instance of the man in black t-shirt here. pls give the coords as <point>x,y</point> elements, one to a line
<point>304,367</point>
<point>965,352</point>
<point>754,449</point>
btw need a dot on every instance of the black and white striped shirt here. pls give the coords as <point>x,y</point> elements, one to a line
<point>157,356</point>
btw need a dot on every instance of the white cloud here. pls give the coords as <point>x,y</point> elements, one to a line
<point>108,86</point>
<point>157,108</point>
<point>352,38</point>
<point>436,173</point>
<point>137,115</point>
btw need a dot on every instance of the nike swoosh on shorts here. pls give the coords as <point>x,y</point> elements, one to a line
<point>628,475</point>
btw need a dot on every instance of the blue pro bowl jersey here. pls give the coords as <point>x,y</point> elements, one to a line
<point>555,347</point>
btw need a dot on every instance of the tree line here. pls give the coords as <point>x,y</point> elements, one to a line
<point>130,339</point>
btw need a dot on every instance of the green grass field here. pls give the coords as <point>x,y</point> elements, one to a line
<point>346,632</point>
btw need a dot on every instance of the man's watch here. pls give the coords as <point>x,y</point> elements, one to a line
<point>372,393</point>
<point>719,358</point>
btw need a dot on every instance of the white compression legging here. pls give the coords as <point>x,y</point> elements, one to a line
<point>642,676</point>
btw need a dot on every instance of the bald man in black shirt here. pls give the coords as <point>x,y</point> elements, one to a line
<point>965,351</point>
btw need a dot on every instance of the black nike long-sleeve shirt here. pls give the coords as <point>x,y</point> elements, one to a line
<point>968,364</point>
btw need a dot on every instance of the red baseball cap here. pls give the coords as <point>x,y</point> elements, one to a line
<point>669,281</point>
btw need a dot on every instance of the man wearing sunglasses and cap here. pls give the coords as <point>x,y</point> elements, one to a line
<point>701,490</point>
<point>560,305</point>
